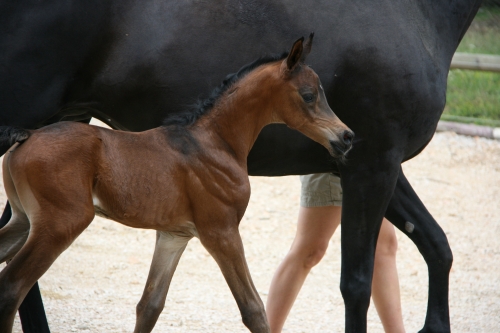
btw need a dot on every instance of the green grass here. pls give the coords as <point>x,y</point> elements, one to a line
<point>483,35</point>
<point>473,93</point>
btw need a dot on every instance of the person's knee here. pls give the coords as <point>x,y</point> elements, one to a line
<point>314,256</point>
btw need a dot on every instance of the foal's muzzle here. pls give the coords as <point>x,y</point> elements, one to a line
<point>344,144</point>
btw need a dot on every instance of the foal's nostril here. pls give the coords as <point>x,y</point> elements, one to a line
<point>348,136</point>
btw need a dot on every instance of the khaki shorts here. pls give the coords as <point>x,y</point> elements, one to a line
<point>320,189</point>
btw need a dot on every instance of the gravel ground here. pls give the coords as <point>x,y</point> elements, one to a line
<point>95,285</point>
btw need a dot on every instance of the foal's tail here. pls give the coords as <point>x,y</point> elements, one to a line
<point>10,135</point>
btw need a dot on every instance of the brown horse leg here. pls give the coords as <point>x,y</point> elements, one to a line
<point>31,310</point>
<point>14,233</point>
<point>168,250</point>
<point>226,248</point>
<point>13,236</point>
<point>45,243</point>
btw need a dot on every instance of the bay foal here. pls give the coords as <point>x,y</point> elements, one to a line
<point>185,179</point>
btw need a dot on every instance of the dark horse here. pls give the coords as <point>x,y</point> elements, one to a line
<point>383,65</point>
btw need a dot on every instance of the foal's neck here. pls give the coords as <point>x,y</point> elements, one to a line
<point>243,110</point>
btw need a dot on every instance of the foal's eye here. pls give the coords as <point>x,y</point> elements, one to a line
<point>308,98</point>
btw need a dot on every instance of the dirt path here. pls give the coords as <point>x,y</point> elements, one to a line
<point>95,285</point>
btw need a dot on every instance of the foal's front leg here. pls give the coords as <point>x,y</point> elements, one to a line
<point>168,250</point>
<point>225,245</point>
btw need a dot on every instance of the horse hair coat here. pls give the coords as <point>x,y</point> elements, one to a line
<point>383,65</point>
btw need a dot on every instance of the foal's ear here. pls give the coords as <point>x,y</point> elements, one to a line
<point>295,55</point>
<point>307,47</point>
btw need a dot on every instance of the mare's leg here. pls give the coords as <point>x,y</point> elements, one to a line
<point>409,214</point>
<point>224,243</point>
<point>168,250</point>
<point>367,189</point>
<point>47,240</point>
<point>32,313</point>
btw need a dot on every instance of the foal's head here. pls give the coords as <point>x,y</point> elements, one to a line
<point>303,104</point>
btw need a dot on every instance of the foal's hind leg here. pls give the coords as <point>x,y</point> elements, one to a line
<point>225,245</point>
<point>409,214</point>
<point>45,243</point>
<point>13,236</point>
<point>168,250</point>
<point>16,229</point>
<point>31,310</point>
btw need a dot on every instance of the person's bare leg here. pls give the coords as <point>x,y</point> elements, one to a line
<point>315,227</point>
<point>385,284</point>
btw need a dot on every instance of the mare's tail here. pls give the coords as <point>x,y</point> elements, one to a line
<point>10,135</point>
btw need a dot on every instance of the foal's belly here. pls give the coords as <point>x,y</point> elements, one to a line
<point>165,215</point>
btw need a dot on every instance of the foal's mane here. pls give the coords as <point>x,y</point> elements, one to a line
<point>202,107</point>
